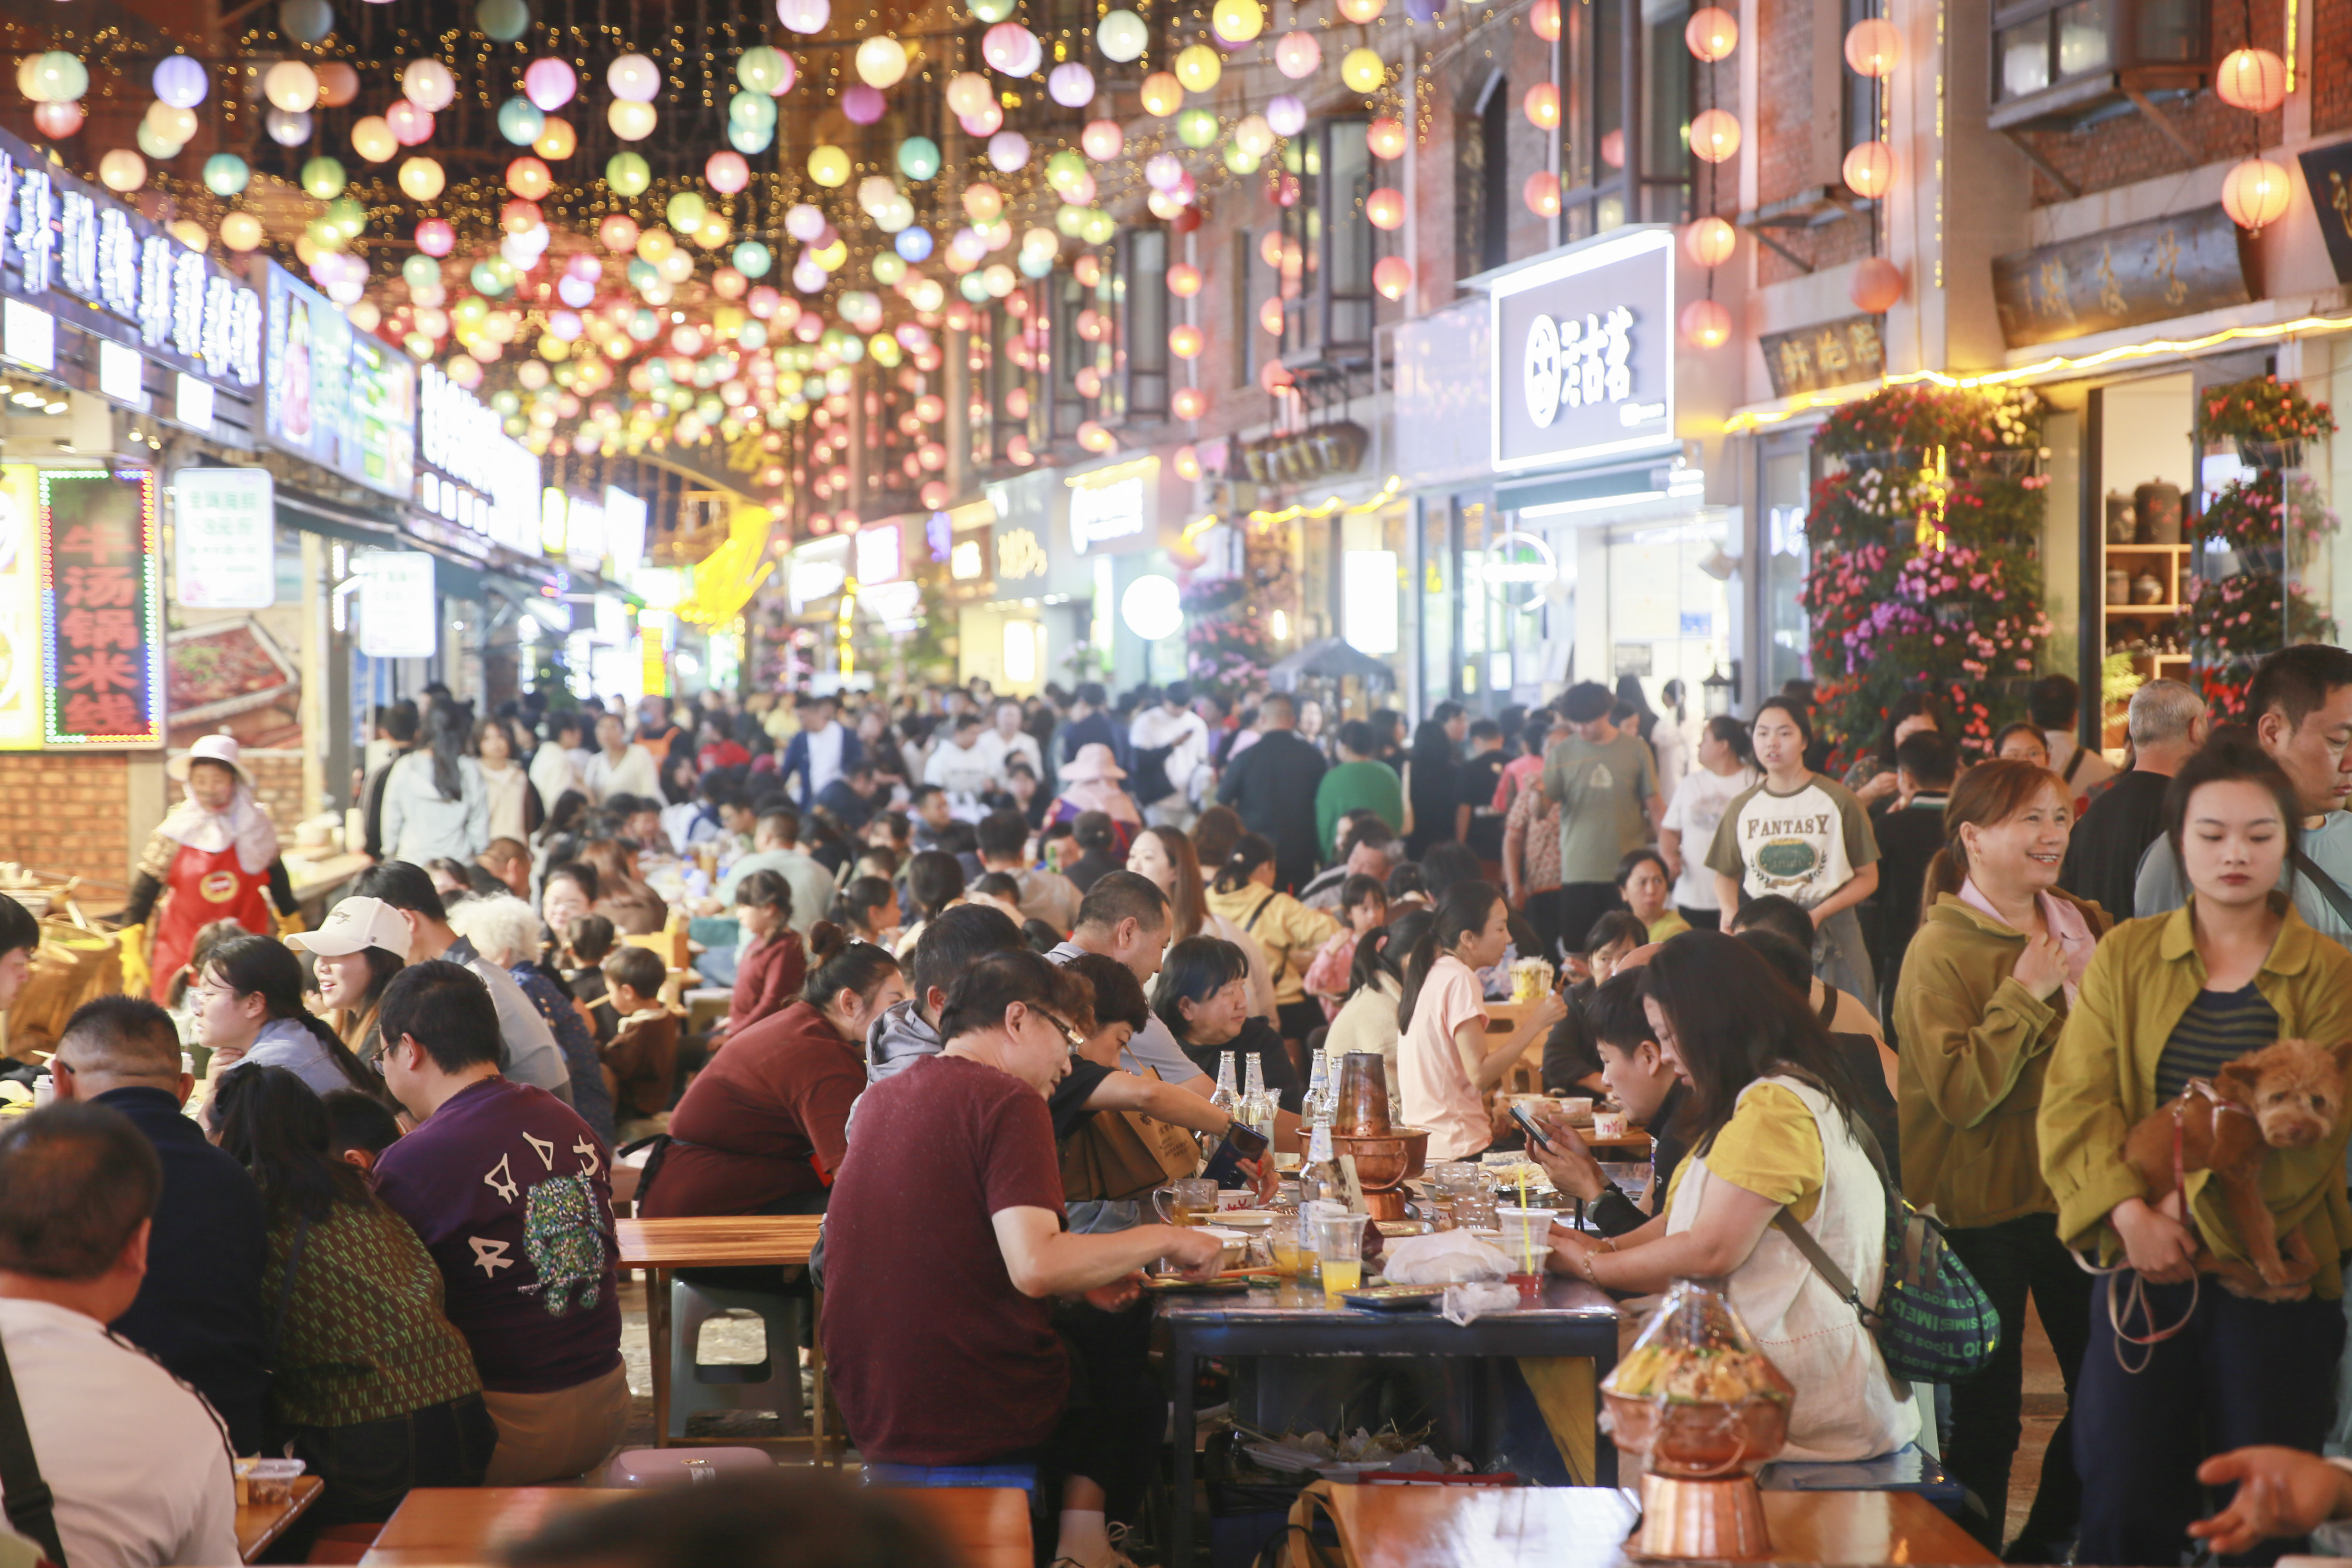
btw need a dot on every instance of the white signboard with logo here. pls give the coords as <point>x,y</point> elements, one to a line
<point>1582,352</point>
<point>224,554</point>
<point>1101,513</point>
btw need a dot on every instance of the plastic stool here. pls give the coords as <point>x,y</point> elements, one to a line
<point>985,1476</point>
<point>773,1384</point>
<point>671,1467</point>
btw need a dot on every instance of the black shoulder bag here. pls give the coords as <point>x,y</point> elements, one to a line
<point>31,1506</point>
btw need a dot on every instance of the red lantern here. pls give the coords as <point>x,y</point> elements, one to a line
<point>1542,105</point>
<point>1190,402</point>
<point>1183,281</point>
<point>1385,208</point>
<point>1392,274</point>
<point>2253,80</point>
<point>1706,324</point>
<point>57,121</point>
<point>1541,192</point>
<point>1386,138</point>
<point>1543,20</point>
<point>1877,285</point>
<point>1711,33</point>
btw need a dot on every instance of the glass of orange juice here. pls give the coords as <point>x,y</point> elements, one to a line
<point>1339,1242</point>
<point>1283,1244</point>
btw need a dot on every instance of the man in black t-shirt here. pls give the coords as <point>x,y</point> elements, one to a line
<point>1910,832</point>
<point>1645,1087</point>
<point>2167,722</point>
<point>1475,821</point>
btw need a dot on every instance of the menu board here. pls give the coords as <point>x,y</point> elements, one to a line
<point>103,608</point>
<point>224,554</point>
<point>334,395</point>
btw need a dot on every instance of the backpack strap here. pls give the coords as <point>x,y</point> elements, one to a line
<point>1251,923</point>
<point>2329,887</point>
<point>31,1506</point>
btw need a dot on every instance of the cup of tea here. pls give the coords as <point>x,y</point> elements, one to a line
<point>1608,1124</point>
<point>1188,1202</point>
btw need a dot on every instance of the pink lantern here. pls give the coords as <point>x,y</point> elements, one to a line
<point>550,83</point>
<point>1102,139</point>
<point>1190,402</point>
<point>529,178</point>
<point>1876,285</point>
<point>1071,85</point>
<point>1012,48</point>
<point>1385,208</point>
<point>1392,274</point>
<point>619,233</point>
<point>1706,324</point>
<point>60,119</point>
<point>727,171</point>
<point>986,121</point>
<point>434,237</point>
<point>411,126</point>
<point>1298,56</point>
<point>864,105</point>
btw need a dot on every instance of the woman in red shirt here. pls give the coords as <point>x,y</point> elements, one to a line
<point>763,1129</point>
<point>771,965</point>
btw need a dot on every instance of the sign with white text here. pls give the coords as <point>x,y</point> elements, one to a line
<point>1582,353</point>
<point>223,549</point>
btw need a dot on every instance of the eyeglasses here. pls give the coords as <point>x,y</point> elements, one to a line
<point>1069,1034</point>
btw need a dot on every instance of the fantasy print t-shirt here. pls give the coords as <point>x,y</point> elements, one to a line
<point>512,1196</point>
<point>1805,845</point>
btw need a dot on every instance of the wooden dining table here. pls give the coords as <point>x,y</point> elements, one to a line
<point>260,1523</point>
<point>1585,1527</point>
<point>448,1526</point>
<point>662,1247</point>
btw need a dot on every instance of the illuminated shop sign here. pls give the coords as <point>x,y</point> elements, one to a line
<point>496,489</point>
<point>101,608</point>
<point>1582,355</point>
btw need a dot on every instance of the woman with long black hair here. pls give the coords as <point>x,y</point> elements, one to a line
<point>249,1008</point>
<point>1367,1020</point>
<point>435,802</point>
<point>1432,781</point>
<point>1444,1062</point>
<point>354,957</point>
<point>1770,1122</point>
<point>370,1383</point>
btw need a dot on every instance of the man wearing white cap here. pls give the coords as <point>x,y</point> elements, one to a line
<point>216,854</point>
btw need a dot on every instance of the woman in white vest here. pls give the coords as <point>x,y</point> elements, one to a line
<point>1770,1124</point>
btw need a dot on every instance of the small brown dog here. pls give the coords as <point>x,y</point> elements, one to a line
<point>2285,1096</point>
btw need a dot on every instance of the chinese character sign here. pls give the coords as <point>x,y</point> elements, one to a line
<point>223,539</point>
<point>102,600</point>
<point>1580,353</point>
<point>20,607</point>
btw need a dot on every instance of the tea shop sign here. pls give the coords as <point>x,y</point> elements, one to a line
<point>2151,271</point>
<point>1582,351</point>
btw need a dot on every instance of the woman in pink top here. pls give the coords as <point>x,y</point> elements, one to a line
<point>1444,1064</point>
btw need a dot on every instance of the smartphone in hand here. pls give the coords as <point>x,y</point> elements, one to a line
<point>1532,1128</point>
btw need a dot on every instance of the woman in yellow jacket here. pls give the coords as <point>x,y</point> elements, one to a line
<point>2169,1000</point>
<point>1287,930</point>
<point>1986,985</point>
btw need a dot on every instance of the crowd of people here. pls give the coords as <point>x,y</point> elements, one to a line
<point>976,966</point>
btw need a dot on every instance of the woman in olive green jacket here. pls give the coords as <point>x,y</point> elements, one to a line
<point>2166,1000</point>
<point>1985,987</point>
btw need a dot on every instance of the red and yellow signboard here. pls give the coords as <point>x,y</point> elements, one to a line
<point>101,608</point>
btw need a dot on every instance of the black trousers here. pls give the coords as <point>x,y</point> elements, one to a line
<point>2011,1260</point>
<point>370,1466</point>
<point>1111,1424</point>
<point>1700,920</point>
<point>1543,915</point>
<point>2241,1372</point>
<point>1580,904</point>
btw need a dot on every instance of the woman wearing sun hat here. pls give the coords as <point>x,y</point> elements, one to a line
<point>215,854</point>
<point>1090,783</point>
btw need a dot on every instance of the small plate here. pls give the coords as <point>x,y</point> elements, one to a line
<point>1394,1297</point>
<point>1245,1220</point>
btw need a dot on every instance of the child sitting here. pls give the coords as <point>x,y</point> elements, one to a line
<point>641,1058</point>
<point>1363,905</point>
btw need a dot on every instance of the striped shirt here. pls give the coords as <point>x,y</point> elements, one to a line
<point>2218,1027</point>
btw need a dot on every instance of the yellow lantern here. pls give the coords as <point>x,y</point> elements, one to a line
<point>240,231</point>
<point>122,169</point>
<point>1363,70</point>
<point>1198,67</point>
<point>556,139</point>
<point>656,244</point>
<point>1163,95</point>
<point>630,119</point>
<point>371,139</point>
<point>713,231</point>
<point>1237,21</point>
<point>1186,342</point>
<point>190,233</point>
<point>422,178</point>
<point>1870,169</point>
<point>828,165</point>
<point>292,85</point>
<point>881,62</point>
<point>2254,193</point>
<point>1710,241</point>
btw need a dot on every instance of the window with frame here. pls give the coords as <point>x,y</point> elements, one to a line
<point>1329,245</point>
<point>1631,88</point>
<point>1482,205</point>
<point>1142,316</point>
<point>2060,61</point>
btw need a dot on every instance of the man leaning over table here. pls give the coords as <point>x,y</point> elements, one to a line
<point>511,1195</point>
<point>137,1462</point>
<point>940,1315</point>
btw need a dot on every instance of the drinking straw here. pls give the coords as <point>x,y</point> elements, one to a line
<point>1526,1231</point>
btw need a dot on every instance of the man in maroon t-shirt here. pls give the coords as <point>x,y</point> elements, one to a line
<point>945,1248</point>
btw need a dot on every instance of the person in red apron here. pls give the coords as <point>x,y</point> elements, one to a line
<point>215,857</point>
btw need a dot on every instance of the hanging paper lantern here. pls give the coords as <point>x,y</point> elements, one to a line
<point>685,209</point>
<point>57,121</point>
<point>226,175</point>
<point>805,222</point>
<point>412,126</point>
<point>1285,113</point>
<point>338,84</point>
<point>1241,161</point>
<point>550,82</point>
<point>1385,208</point>
<point>630,119</point>
<point>1190,402</point>
<point>56,77</point>
<point>1541,105</point>
<point>1163,171</point>
<point>1363,70</point>
<point>504,20</point>
<point>627,174</point>
<point>1392,274</point>
<point>2256,193</point>
<point>746,139</point>
<point>181,81</point>
<point>755,111</point>
<point>529,178</point>
<point>1012,48</point>
<point>154,143</point>
<point>1543,20</point>
<point>240,232</point>
<point>1196,127</point>
<point>881,62</point>
<point>519,121</point>
<point>828,165</point>
<point>1871,46</point>
<point>306,21</point>
<point>287,128</point>
<point>1362,12</point>
<point>727,171</point>
<point>764,70</point>
<point>1710,241</point>
<point>557,140</point>
<point>617,233</point>
<point>323,178</point>
<point>1876,285</point>
<point>1198,67</point>
<point>1008,151</point>
<point>1163,95</point>
<point>427,84</point>
<point>1102,139</point>
<point>1706,324</point>
<point>1237,21</point>
<point>422,178</point>
<point>633,78</point>
<point>1711,34</point>
<point>1184,279</point>
<point>122,169</point>
<point>1541,192</point>
<point>1120,35</point>
<point>1385,138</point>
<point>1186,342</point>
<point>1870,169</point>
<point>1713,135</point>
<point>1071,85</point>
<point>1298,56</point>
<point>170,124</point>
<point>289,85</point>
<point>752,259</point>
<point>913,244</point>
<point>1423,10</point>
<point>2253,80</point>
<point>919,157</point>
<point>969,93</point>
<point>864,105</point>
